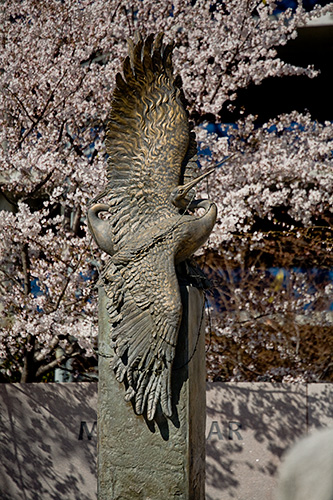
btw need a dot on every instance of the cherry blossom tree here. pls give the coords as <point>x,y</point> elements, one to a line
<point>58,63</point>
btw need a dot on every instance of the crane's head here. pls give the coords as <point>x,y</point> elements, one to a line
<point>179,196</point>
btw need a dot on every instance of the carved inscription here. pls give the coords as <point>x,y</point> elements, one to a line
<point>85,431</point>
<point>231,432</point>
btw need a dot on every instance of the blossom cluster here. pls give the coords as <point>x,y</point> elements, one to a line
<point>284,165</point>
<point>58,62</point>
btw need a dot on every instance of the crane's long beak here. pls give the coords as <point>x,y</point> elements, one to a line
<point>189,185</point>
<point>186,187</point>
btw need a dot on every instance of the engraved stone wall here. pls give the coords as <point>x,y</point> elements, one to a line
<point>48,437</point>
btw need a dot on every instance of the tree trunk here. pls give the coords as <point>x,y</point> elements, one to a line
<point>29,365</point>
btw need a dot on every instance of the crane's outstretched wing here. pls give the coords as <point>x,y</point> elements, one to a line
<point>149,144</point>
<point>145,312</point>
<point>148,140</point>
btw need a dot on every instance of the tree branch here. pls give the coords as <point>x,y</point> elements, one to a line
<point>56,362</point>
<point>39,185</point>
<point>41,115</point>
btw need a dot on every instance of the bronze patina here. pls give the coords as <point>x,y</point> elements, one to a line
<point>152,223</point>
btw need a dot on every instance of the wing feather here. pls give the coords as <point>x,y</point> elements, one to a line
<point>148,138</point>
<point>145,328</point>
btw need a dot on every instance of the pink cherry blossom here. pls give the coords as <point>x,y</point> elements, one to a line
<point>58,62</point>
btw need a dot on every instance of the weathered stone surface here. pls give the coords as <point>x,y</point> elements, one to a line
<point>320,405</point>
<point>249,426</point>
<point>163,458</point>
<point>45,448</point>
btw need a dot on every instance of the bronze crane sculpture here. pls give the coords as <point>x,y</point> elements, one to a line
<point>152,224</point>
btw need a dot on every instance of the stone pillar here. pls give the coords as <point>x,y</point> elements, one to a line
<point>165,458</point>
